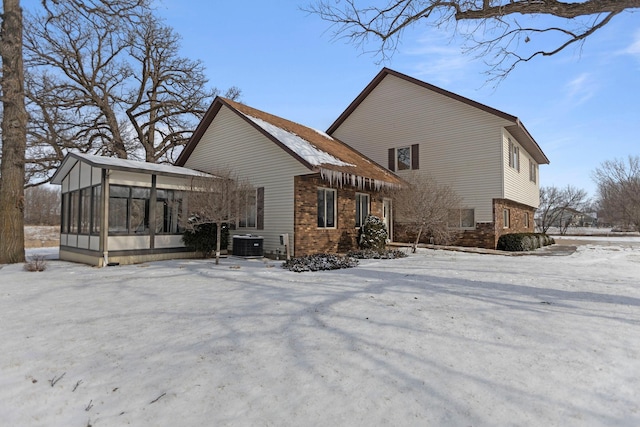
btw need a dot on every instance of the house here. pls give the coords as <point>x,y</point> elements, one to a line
<point>309,186</point>
<point>485,155</point>
<point>312,189</point>
<point>117,211</point>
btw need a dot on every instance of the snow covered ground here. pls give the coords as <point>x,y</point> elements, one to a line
<point>438,338</point>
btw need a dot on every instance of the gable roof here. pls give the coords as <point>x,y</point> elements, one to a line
<point>113,163</point>
<point>336,161</point>
<point>516,129</point>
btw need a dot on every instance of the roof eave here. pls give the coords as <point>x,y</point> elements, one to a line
<point>66,166</point>
<point>526,140</point>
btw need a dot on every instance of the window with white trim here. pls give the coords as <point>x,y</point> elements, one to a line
<point>248,210</point>
<point>514,155</point>
<point>326,208</point>
<point>462,218</point>
<point>533,169</point>
<point>506,218</point>
<point>362,208</point>
<point>404,158</point>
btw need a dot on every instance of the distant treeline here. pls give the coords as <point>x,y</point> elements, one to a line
<point>42,206</point>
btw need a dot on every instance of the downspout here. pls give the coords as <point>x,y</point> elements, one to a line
<point>104,218</point>
<point>152,212</point>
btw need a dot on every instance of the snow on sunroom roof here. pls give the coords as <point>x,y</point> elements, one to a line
<point>303,148</point>
<point>140,165</point>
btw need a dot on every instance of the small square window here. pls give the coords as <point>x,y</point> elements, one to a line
<point>404,158</point>
<point>462,218</point>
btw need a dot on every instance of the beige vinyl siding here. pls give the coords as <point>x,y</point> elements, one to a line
<point>517,186</point>
<point>232,143</point>
<point>74,177</point>
<point>129,178</point>
<point>459,144</point>
<point>172,183</point>
<point>128,243</point>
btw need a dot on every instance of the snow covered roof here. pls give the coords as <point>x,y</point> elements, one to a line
<point>298,145</point>
<point>121,164</point>
<point>336,161</point>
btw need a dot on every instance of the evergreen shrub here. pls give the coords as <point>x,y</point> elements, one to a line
<point>319,262</point>
<point>372,234</point>
<point>371,254</point>
<point>203,238</point>
<point>519,242</point>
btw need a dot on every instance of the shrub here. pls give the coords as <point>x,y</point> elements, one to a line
<point>36,263</point>
<point>371,254</point>
<point>372,234</point>
<point>202,238</point>
<point>319,262</point>
<point>518,242</point>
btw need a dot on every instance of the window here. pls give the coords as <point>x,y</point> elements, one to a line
<point>362,208</point>
<point>129,210</point>
<point>526,219</point>
<point>139,210</point>
<point>95,212</point>
<point>248,211</point>
<point>514,156</point>
<point>81,211</point>
<point>462,218</point>
<point>326,208</point>
<point>118,209</point>
<point>506,223</point>
<point>64,214</point>
<point>168,209</point>
<point>404,158</point>
<point>74,210</point>
<point>85,210</point>
<point>532,171</point>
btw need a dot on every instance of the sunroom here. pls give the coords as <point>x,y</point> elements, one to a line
<point>117,211</point>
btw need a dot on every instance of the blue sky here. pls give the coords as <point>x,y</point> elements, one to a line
<point>582,106</point>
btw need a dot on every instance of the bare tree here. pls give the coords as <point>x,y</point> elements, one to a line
<point>112,84</point>
<point>619,191</point>
<point>79,53</point>
<point>216,200</point>
<point>14,136</point>
<point>424,207</point>
<point>169,95</point>
<point>558,206</point>
<point>494,29</point>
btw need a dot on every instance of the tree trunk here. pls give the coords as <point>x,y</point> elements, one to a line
<point>415,244</point>
<point>218,239</point>
<point>14,137</point>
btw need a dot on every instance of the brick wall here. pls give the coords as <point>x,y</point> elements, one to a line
<point>308,238</point>
<point>517,213</point>
<point>485,235</point>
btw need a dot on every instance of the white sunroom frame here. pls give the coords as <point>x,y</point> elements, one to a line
<point>83,171</point>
